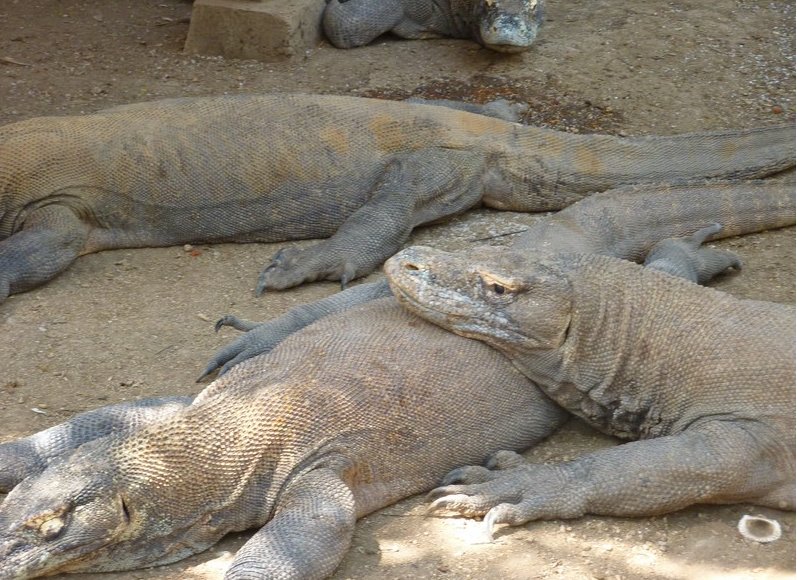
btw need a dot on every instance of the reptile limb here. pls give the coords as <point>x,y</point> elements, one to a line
<point>308,536</point>
<point>260,338</point>
<point>686,257</point>
<point>400,201</point>
<point>640,478</point>
<point>51,239</point>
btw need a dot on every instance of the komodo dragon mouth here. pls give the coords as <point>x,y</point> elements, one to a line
<point>417,289</point>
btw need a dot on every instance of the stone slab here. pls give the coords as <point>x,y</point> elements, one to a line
<point>267,30</point>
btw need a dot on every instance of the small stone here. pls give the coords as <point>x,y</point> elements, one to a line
<point>777,109</point>
<point>188,248</point>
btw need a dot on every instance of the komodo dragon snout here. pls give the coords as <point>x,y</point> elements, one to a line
<point>79,515</point>
<point>429,280</point>
<point>509,25</point>
<point>70,512</point>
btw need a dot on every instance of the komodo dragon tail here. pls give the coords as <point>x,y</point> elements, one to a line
<point>557,169</point>
<point>627,222</point>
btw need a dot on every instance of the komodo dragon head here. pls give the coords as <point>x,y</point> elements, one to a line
<point>486,294</point>
<point>83,513</point>
<point>508,25</point>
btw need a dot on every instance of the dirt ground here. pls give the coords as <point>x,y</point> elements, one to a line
<point>128,324</point>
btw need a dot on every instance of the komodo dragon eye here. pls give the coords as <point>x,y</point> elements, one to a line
<point>51,528</point>
<point>498,288</point>
<point>50,524</point>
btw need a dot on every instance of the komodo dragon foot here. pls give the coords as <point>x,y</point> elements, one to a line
<point>686,257</point>
<point>293,266</point>
<point>260,338</point>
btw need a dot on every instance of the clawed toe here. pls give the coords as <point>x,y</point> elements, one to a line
<point>467,475</point>
<point>212,366</point>
<point>503,460</point>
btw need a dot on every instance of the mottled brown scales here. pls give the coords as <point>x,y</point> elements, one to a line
<point>366,406</point>
<point>701,383</point>
<point>335,412</point>
<point>269,168</point>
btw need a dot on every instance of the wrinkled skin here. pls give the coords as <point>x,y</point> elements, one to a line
<point>502,25</point>
<point>86,517</point>
<point>699,382</point>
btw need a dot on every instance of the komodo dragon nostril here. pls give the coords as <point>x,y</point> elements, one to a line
<point>411,267</point>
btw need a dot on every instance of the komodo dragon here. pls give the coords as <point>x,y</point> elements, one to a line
<point>281,167</point>
<point>501,25</point>
<point>701,382</point>
<point>330,425</point>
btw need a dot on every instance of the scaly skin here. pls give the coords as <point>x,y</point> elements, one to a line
<point>631,223</point>
<point>500,25</point>
<point>281,167</point>
<point>297,434</point>
<point>330,426</point>
<point>701,382</point>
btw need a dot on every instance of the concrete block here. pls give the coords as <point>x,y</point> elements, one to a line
<point>266,30</point>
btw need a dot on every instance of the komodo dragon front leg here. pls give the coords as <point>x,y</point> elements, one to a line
<point>51,237</point>
<point>312,526</point>
<point>413,189</point>
<point>632,223</point>
<point>702,382</point>
<point>331,425</point>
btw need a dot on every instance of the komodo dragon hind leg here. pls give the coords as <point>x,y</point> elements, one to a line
<point>50,239</point>
<point>260,338</point>
<point>414,188</point>
<point>308,535</point>
<point>30,456</point>
<point>716,462</point>
<point>687,258</point>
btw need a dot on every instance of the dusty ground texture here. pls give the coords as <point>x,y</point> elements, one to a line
<point>134,323</point>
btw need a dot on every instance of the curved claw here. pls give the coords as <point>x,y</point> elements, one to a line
<point>701,235</point>
<point>279,256</point>
<point>212,366</point>
<point>468,474</point>
<point>489,524</point>
<point>445,502</point>
<point>261,285</point>
<point>276,261</point>
<point>454,476</point>
<point>349,273</point>
<point>443,491</point>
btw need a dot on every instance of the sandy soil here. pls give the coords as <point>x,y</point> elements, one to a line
<point>133,323</point>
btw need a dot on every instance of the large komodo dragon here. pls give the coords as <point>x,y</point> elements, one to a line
<point>702,382</point>
<point>280,167</point>
<point>501,25</point>
<point>343,417</point>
